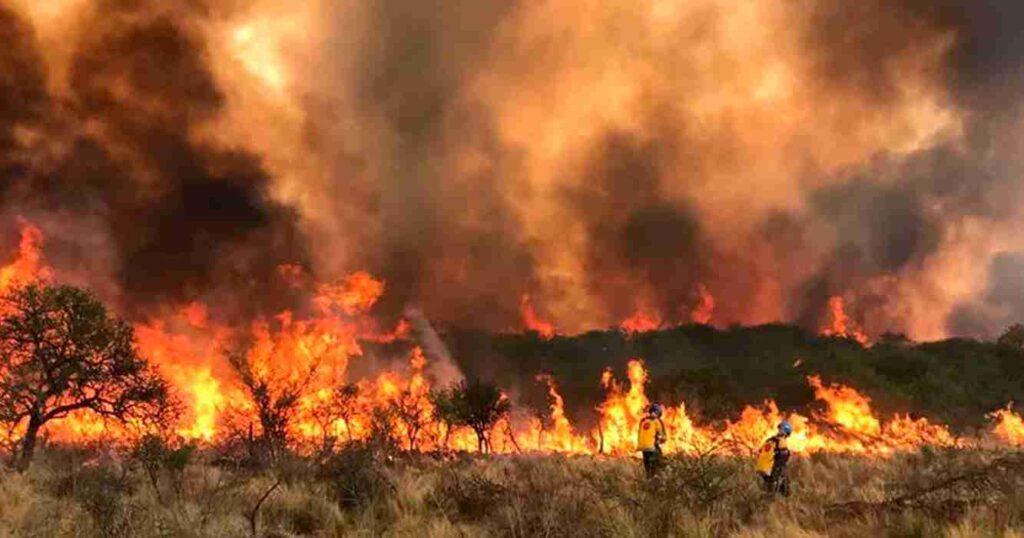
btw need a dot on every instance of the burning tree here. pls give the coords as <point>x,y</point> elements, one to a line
<point>475,404</point>
<point>412,409</point>
<point>342,405</point>
<point>61,352</point>
<point>274,397</point>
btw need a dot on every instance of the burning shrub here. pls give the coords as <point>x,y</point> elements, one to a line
<point>476,405</point>
<point>274,398</point>
<point>341,406</point>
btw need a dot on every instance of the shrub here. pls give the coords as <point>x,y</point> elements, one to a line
<point>157,458</point>
<point>102,491</point>
<point>355,477</point>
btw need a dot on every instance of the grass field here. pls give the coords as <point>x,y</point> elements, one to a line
<point>80,492</point>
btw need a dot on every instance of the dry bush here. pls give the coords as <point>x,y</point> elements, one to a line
<point>163,462</point>
<point>28,509</point>
<point>524,496</point>
<point>102,491</point>
<point>302,510</point>
<point>355,477</point>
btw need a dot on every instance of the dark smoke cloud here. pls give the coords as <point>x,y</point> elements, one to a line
<point>889,215</point>
<point>1001,305</point>
<point>184,218</point>
<point>450,246</point>
<point>457,247</point>
<point>642,247</point>
<point>22,91</point>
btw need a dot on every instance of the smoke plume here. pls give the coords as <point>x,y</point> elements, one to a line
<point>604,158</point>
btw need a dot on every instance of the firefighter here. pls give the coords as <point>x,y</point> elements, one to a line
<point>650,438</point>
<point>772,460</point>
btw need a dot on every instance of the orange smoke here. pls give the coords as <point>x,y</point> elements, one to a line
<point>752,80</point>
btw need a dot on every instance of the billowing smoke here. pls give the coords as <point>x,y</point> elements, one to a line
<point>601,157</point>
<point>117,151</point>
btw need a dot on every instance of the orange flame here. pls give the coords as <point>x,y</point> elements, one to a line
<point>1009,426</point>
<point>560,436</point>
<point>705,307</point>
<point>355,294</point>
<point>28,265</point>
<point>532,322</point>
<point>641,322</point>
<point>841,325</point>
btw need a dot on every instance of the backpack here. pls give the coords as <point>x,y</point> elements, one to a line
<point>766,457</point>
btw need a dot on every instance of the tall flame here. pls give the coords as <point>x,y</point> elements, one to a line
<point>532,321</point>
<point>840,324</point>
<point>704,310</point>
<point>28,264</point>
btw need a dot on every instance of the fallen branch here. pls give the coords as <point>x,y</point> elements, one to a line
<point>980,484</point>
<point>256,509</point>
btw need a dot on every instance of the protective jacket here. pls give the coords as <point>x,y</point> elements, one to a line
<point>652,434</point>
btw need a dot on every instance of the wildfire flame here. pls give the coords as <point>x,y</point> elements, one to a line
<point>28,264</point>
<point>532,322</point>
<point>189,348</point>
<point>841,325</point>
<point>641,322</point>
<point>705,307</point>
<point>1009,426</point>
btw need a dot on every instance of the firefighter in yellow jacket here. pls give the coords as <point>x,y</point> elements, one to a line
<point>650,438</point>
<point>773,458</point>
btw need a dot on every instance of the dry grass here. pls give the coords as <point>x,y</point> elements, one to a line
<point>356,494</point>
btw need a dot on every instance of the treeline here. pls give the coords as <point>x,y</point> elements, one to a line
<point>717,372</point>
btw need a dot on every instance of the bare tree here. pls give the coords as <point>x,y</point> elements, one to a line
<point>61,352</point>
